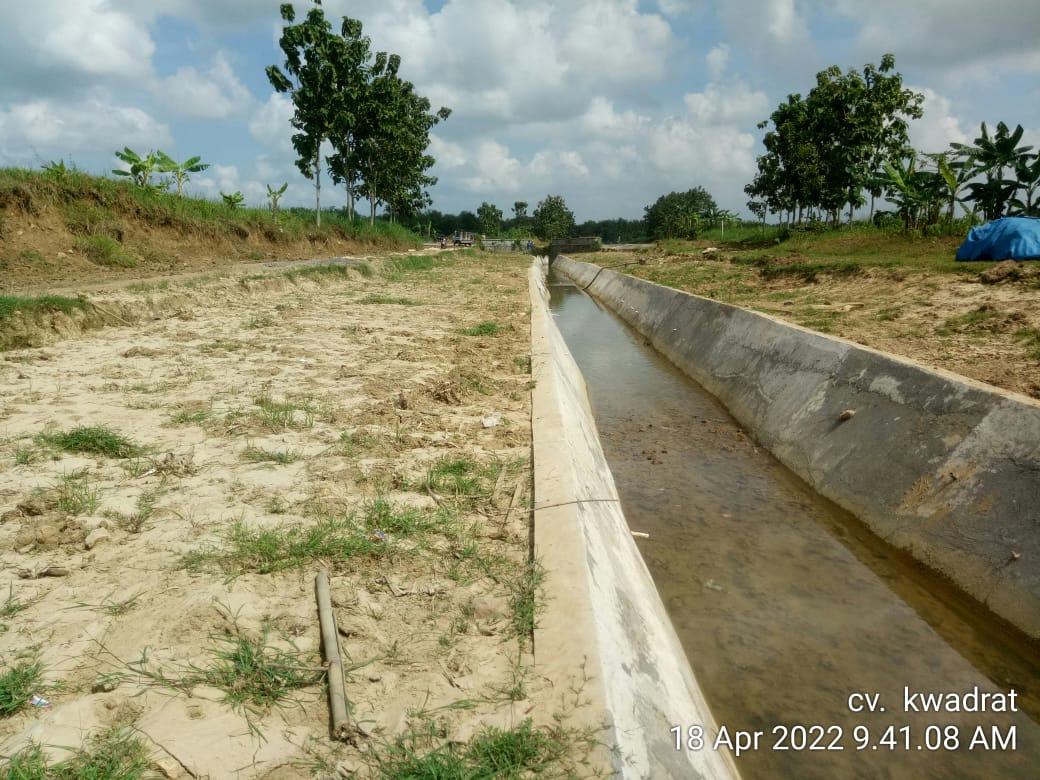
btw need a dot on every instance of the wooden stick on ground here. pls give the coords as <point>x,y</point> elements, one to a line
<point>340,725</point>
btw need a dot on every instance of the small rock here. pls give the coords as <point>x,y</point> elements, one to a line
<point>848,414</point>
<point>95,537</point>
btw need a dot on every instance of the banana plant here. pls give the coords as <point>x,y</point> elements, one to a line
<point>1028,175</point>
<point>179,170</point>
<point>234,200</point>
<point>273,195</point>
<point>141,168</point>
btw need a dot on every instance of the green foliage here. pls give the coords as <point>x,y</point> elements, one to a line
<point>273,196</point>
<point>376,123</point>
<point>824,150</point>
<point>552,219</point>
<point>680,214</point>
<point>253,672</point>
<point>490,217</point>
<point>234,200</point>
<point>105,251</point>
<point>141,168</point>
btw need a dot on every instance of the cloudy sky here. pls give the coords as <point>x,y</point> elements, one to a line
<point>610,103</point>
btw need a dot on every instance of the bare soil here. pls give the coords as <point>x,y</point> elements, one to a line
<point>265,402</point>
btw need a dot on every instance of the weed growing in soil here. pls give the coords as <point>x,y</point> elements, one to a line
<point>483,329</point>
<point>92,440</point>
<point>520,752</point>
<point>113,754</point>
<point>523,599</point>
<point>1030,338</point>
<point>462,479</point>
<point>279,415</point>
<point>17,684</point>
<point>76,495</point>
<point>373,532</point>
<point>252,672</point>
<point>260,455</point>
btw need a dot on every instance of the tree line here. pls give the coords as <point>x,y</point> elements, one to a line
<point>347,98</point>
<point>847,140</point>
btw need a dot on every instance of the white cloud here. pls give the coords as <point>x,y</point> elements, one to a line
<point>215,94</point>
<point>730,102</point>
<point>92,125</point>
<point>717,60</point>
<point>772,31</point>
<point>269,125</point>
<point>934,131</point>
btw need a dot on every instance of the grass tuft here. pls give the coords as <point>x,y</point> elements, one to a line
<point>17,684</point>
<point>114,754</point>
<point>483,329</point>
<point>93,440</point>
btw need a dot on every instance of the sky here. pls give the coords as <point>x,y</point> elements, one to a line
<point>609,103</point>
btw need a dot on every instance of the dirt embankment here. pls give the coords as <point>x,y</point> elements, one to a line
<point>265,425</point>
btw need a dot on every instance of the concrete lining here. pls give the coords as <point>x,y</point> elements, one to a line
<point>604,637</point>
<point>941,466</point>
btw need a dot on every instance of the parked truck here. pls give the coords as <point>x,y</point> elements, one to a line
<point>462,238</point>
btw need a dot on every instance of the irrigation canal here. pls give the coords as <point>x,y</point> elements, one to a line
<point>798,622</point>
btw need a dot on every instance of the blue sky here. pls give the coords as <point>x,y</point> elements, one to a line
<point>610,103</point>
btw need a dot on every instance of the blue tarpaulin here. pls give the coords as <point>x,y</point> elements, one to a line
<point>1007,238</point>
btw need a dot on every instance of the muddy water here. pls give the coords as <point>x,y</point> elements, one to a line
<point>785,604</point>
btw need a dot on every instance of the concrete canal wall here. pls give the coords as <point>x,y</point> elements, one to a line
<point>603,640</point>
<point>941,466</point>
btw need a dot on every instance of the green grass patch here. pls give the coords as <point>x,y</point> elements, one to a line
<point>17,684</point>
<point>105,251</point>
<point>483,329</point>
<point>524,751</point>
<point>461,479</point>
<point>372,532</point>
<point>325,271</point>
<point>92,440</point>
<point>47,304</point>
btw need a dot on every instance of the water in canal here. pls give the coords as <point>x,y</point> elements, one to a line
<point>798,623</point>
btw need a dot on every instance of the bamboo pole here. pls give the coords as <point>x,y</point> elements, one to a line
<point>340,720</point>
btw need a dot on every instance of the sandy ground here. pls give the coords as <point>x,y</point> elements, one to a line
<point>263,402</point>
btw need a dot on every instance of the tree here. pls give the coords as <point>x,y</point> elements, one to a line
<point>141,168</point>
<point>391,139</point>
<point>519,211</point>
<point>679,214</point>
<point>490,219</point>
<point>311,81</point>
<point>552,219</point>
<point>180,170</point>
<point>826,149</point>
